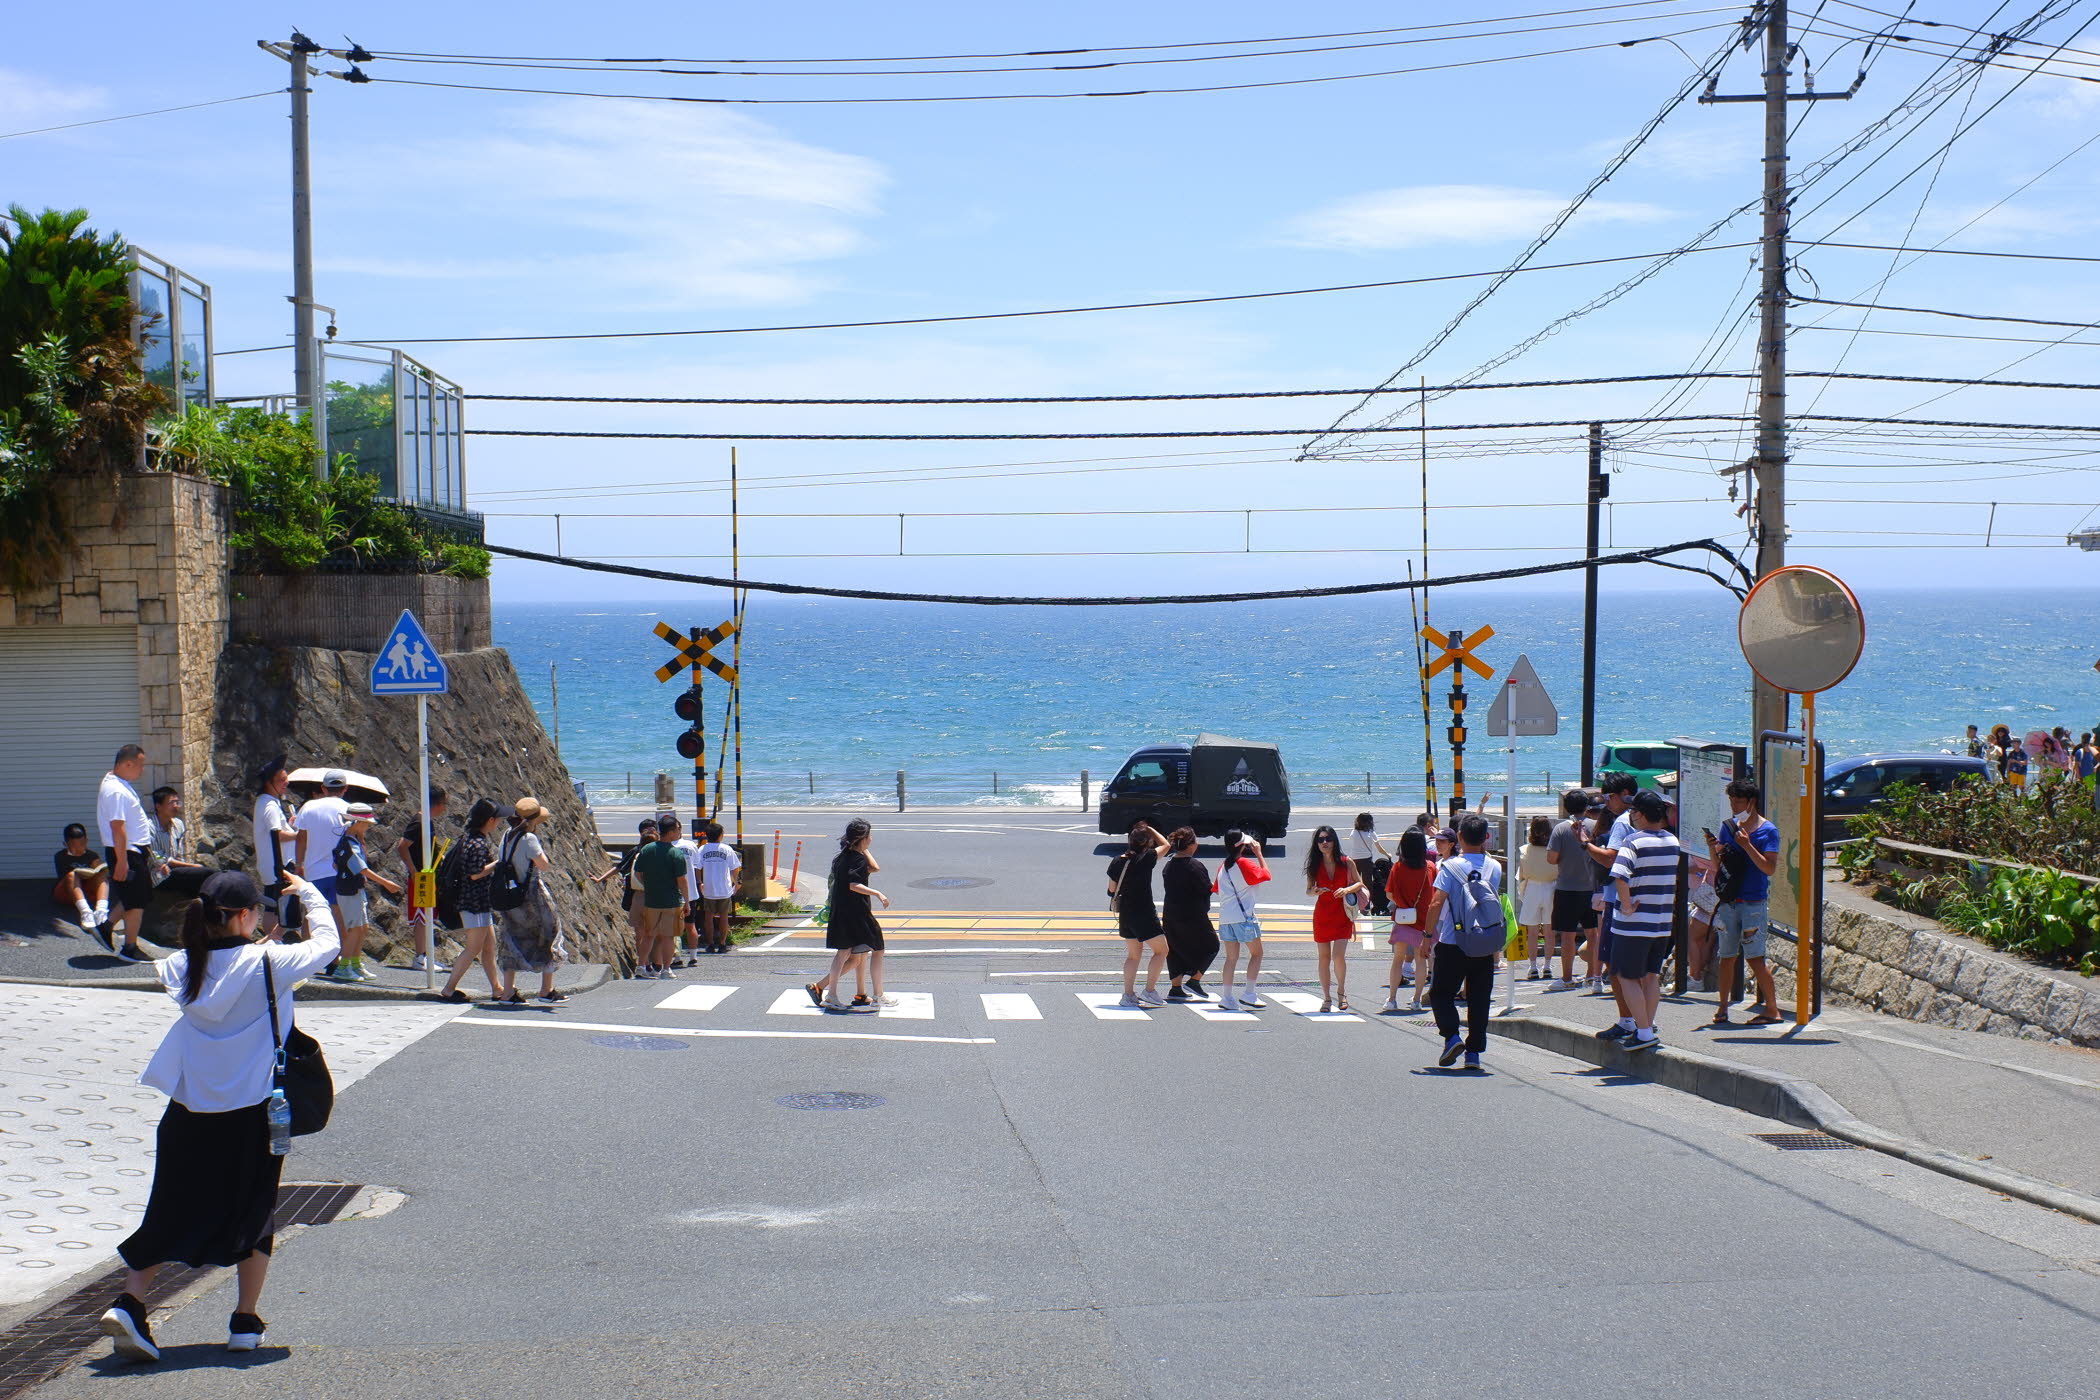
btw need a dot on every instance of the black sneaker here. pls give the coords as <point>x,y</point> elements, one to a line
<point>131,953</point>
<point>1614,1031</point>
<point>244,1332</point>
<point>1195,987</point>
<point>1177,994</point>
<point>1653,1042</point>
<point>125,1326</point>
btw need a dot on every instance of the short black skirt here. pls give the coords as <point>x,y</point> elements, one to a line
<point>214,1198</point>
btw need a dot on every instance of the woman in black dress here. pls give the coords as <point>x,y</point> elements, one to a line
<point>852,932</point>
<point>1192,944</point>
<point>1137,918</point>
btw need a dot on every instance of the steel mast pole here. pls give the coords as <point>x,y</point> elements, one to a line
<point>1599,488</point>
<point>307,374</point>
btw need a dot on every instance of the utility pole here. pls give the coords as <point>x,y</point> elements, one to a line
<point>1599,488</point>
<point>1768,468</point>
<point>309,385</point>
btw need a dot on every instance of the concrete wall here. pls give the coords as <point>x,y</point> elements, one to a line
<point>1907,965</point>
<point>354,612</point>
<point>151,553</point>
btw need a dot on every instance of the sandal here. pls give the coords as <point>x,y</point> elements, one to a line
<point>455,997</point>
<point>1763,1018</point>
<point>1341,1003</point>
<point>516,998</point>
<point>1326,1005</point>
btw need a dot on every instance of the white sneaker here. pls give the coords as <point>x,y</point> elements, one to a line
<point>1391,1007</point>
<point>366,974</point>
<point>1248,1000</point>
<point>884,1002</point>
<point>1151,998</point>
<point>244,1332</point>
<point>418,963</point>
<point>1130,1002</point>
<point>1228,1002</point>
<point>1557,985</point>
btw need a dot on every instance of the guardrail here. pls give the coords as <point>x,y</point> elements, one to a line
<point>897,789</point>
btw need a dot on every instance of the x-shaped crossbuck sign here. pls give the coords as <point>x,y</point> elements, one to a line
<point>1457,651</point>
<point>697,650</point>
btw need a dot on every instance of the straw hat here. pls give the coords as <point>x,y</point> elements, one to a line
<point>528,809</point>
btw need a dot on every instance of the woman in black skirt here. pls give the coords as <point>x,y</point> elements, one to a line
<point>1192,944</point>
<point>852,932</point>
<point>1137,917</point>
<point>214,1176</point>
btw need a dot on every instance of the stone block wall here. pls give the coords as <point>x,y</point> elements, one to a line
<point>355,612</point>
<point>151,554</point>
<point>1908,966</point>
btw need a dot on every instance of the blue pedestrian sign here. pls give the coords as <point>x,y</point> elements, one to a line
<point>408,664</point>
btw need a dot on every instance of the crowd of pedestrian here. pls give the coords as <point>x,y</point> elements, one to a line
<point>2023,761</point>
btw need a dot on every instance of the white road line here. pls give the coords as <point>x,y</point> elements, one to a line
<point>1103,1005</point>
<point>1958,1055</point>
<point>909,952</point>
<point>1301,908</point>
<point>1308,1006</point>
<point>1210,1011</point>
<point>539,1025</point>
<point>789,932</point>
<point>911,1006</point>
<point>1062,971</point>
<point>1010,1006</point>
<point>695,998</point>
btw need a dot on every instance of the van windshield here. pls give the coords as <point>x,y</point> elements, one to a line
<point>1144,775</point>
<point>1641,756</point>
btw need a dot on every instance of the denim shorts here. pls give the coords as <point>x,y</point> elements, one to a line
<point>1739,928</point>
<point>475,919</point>
<point>1249,932</point>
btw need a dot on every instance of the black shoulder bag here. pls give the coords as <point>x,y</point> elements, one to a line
<point>300,1070</point>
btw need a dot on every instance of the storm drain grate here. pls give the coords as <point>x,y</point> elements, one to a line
<point>639,1042</point>
<point>1804,1142</point>
<point>831,1099</point>
<point>40,1346</point>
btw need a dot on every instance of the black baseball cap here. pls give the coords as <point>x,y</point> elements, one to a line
<point>230,890</point>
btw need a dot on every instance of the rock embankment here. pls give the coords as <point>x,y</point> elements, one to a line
<point>313,706</point>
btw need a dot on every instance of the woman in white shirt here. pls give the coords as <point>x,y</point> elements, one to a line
<point>1535,877</point>
<point>1365,850</point>
<point>214,1176</point>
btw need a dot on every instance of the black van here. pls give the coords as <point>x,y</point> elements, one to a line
<point>1212,785</point>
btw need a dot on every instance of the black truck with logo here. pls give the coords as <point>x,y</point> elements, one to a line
<point>1212,785</point>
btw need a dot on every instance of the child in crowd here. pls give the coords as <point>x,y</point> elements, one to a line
<point>352,874</point>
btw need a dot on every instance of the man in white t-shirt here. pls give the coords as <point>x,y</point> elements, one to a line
<point>719,867</point>
<point>688,954</point>
<point>276,839</point>
<point>321,824</point>
<point>127,836</point>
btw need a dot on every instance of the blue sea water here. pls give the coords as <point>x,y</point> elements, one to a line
<point>839,695</point>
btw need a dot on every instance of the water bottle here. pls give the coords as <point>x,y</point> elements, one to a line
<point>280,1115</point>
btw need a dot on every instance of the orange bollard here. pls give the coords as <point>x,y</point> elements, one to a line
<point>776,856</point>
<point>795,873</point>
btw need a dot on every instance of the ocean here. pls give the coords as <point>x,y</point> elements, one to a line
<point>840,695</point>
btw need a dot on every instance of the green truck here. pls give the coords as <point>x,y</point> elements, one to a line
<point>1652,762</point>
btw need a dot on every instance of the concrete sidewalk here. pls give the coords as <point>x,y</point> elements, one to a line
<point>2021,1105</point>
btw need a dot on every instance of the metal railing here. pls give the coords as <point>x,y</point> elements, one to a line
<point>1069,790</point>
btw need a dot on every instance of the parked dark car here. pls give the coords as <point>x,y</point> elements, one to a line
<point>1852,785</point>
<point>1212,785</point>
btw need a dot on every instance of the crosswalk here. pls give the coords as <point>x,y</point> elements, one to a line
<point>1004,1006</point>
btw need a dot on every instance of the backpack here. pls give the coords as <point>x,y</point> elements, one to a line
<point>507,888</point>
<point>451,877</point>
<point>1478,924</point>
<point>346,880</point>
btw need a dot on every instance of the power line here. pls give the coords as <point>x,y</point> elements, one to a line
<point>1939,311</point>
<point>1034,96</point>
<point>1951,335</point>
<point>1044,53</point>
<point>1059,437</point>
<point>1655,554</point>
<point>134,116</point>
<point>556,65</point>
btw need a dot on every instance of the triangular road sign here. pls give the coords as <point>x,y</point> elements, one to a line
<point>407,663</point>
<point>1522,707</point>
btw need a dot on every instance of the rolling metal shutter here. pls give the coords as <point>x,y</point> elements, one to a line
<point>68,697</point>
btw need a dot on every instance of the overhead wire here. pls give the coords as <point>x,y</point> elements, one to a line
<point>134,116</point>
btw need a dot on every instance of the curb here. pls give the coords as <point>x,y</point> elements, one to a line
<point>311,990</point>
<point>1785,1098</point>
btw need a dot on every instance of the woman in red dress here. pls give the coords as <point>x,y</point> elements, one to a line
<point>1331,877</point>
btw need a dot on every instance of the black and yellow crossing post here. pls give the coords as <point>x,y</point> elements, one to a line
<point>1455,650</point>
<point>695,654</point>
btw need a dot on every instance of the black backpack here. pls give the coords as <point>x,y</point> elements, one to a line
<point>347,881</point>
<point>507,888</point>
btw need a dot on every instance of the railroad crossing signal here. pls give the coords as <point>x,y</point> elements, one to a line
<point>696,650</point>
<point>1457,651</point>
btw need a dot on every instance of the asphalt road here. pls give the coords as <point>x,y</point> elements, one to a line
<point>611,1198</point>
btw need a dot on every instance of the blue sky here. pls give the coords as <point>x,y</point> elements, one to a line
<point>470,213</point>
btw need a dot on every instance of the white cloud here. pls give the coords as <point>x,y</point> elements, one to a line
<point>1421,214</point>
<point>630,203</point>
<point>27,100</point>
<point>1695,155</point>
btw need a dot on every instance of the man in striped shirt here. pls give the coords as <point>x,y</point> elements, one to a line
<point>1645,874</point>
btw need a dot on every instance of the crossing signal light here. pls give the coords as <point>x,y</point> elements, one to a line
<point>687,707</point>
<point>689,742</point>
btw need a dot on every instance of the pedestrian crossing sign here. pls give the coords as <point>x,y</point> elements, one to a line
<point>407,663</point>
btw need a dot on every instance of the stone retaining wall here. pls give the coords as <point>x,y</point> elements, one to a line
<point>1906,965</point>
<point>355,612</point>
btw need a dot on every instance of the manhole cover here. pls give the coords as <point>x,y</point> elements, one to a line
<point>950,882</point>
<point>638,1042</point>
<point>1803,1142</point>
<point>831,1099</point>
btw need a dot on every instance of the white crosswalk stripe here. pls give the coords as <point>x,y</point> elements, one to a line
<point>1010,1006</point>
<point>696,998</point>
<point>1209,1010</point>
<point>911,1006</point>
<point>1308,1006</point>
<point>1103,1005</point>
